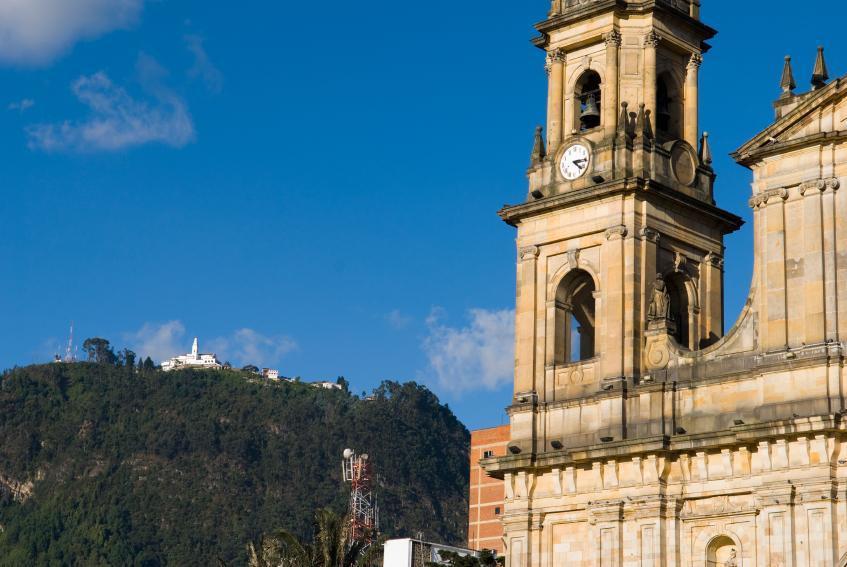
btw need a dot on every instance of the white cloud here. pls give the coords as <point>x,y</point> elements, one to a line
<point>117,120</point>
<point>158,341</point>
<point>21,105</point>
<point>203,67</point>
<point>397,319</point>
<point>35,32</point>
<point>479,356</point>
<point>247,346</point>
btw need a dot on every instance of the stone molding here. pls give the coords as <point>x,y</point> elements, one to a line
<point>715,260</point>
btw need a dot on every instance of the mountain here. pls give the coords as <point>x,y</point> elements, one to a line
<point>103,464</point>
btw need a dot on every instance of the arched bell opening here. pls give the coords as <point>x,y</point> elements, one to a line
<point>670,107</point>
<point>575,318</point>
<point>588,94</point>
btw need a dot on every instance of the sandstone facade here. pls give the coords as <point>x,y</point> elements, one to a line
<point>641,434</point>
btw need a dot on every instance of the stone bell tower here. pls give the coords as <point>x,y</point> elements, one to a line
<point>620,202</point>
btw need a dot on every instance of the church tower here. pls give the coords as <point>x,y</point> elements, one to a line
<point>620,201</point>
<point>641,433</point>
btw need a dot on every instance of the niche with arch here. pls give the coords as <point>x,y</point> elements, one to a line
<point>680,308</point>
<point>588,97</point>
<point>575,318</point>
<point>722,552</point>
<point>670,107</point>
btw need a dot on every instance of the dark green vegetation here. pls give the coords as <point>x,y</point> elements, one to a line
<point>107,464</point>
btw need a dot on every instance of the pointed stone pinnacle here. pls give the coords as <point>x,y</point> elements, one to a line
<point>787,83</point>
<point>820,75</point>
<point>705,150</point>
<point>539,151</point>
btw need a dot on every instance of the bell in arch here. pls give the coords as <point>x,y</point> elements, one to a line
<point>590,117</point>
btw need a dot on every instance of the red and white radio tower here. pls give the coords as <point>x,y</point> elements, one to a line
<point>364,513</point>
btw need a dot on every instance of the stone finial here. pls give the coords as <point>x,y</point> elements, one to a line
<point>705,150</point>
<point>787,82</point>
<point>820,75</point>
<point>539,151</point>
<point>623,121</point>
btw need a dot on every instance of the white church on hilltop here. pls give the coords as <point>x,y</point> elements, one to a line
<point>193,360</point>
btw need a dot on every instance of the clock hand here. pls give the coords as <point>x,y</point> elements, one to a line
<point>580,162</point>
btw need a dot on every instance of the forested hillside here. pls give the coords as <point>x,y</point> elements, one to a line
<point>103,464</point>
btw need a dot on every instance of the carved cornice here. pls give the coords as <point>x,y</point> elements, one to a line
<point>617,232</point>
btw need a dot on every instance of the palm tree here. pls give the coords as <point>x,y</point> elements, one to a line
<point>328,549</point>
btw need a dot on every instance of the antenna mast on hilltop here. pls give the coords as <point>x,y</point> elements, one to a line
<point>364,513</point>
<point>70,353</point>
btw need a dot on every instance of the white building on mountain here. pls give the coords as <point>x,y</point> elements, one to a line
<point>193,360</point>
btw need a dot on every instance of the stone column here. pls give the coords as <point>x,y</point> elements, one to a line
<point>692,86</point>
<point>712,319</point>
<point>555,99</point>
<point>525,320</point>
<point>610,105</point>
<point>651,42</point>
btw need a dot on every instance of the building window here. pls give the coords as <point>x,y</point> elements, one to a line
<point>589,101</point>
<point>487,454</point>
<point>497,511</point>
<point>680,308</point>
<point>575,318</point>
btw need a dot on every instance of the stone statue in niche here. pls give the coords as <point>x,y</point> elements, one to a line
<point>660,302</point>
<point>732,561</point>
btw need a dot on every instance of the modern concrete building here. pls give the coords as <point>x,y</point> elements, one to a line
<point>486,501</point>
<point>195,359</point>
<point>641,434</point>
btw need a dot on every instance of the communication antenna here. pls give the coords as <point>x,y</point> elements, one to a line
<point>364,512</point>
<point>70,352</point>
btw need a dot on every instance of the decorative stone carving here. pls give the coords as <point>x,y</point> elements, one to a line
<point>529,253</point>
<point>821,185</point>
<point>650,234</point>
<point>573,258</point>
<point>695,61</point>
<point>612,39</point>
<point>660,301</point>
<point>652,39</point>
<point>680,262</point>
<point>715,260</point>
<point>617,233</point>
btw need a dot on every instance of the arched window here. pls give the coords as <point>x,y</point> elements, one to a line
<point>669,107</point>
<point>589,101</point>
<point>575,318</point>
<point>680,308</point>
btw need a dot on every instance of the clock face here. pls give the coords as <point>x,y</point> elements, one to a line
<point>575,161</point>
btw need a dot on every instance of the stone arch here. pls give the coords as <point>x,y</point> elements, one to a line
<point>670,105</point>
<point>685,305</point>
<point>718,540</point>
<point>575,321</point>
<point>588,90</point>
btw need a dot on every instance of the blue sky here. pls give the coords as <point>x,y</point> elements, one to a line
<point>309,185</point>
